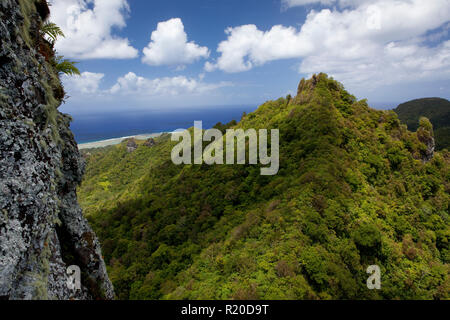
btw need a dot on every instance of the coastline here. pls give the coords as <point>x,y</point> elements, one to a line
<point>115,141</point>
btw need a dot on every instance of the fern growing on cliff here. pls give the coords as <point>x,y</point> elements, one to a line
<point>52,31</point>
<point>66,66</point>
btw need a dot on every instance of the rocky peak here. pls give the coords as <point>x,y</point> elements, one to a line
<point>306,88</point>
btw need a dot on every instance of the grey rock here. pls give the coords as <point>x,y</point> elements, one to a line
<point>428,154</point>
<point>42,228</point>
<point>150,142</point>
<point>131,145</point>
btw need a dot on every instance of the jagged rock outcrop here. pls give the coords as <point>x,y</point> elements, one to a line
<point>131,145</point>
<point>306,88</point>
<point>425,135</point>
<point>150,142</point>
<point>42,229</point>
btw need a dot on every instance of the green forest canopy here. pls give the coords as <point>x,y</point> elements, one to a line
<point>352,191</point>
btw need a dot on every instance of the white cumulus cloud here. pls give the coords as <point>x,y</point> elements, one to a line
<point>90,92</point>
<point>378,40</point>
<point>86,83</point>
<point>247,46</point>
<point>132,84</point>
<point>169,46</point>
<point>88,24</point>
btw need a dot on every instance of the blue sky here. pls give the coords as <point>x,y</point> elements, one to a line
<point>174,54</point>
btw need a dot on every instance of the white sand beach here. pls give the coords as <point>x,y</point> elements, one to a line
<point>111,142</point>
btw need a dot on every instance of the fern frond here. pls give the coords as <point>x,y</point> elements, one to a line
<point>66,66</point>
<point>52,31</point>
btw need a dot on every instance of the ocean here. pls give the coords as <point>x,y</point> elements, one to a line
<point>97,127</point>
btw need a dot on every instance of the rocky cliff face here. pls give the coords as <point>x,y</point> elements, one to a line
<point>42,229</point>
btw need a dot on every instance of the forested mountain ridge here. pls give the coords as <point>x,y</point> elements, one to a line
<point>437,110</point>
<point>355,188</point>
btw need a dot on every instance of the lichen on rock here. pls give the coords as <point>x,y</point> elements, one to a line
<point>42,228</point>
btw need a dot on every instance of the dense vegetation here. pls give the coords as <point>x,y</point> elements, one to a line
<point>437,110</point>
<point>352,191</point>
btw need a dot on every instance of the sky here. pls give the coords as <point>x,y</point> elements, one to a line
<point>175,54</point>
